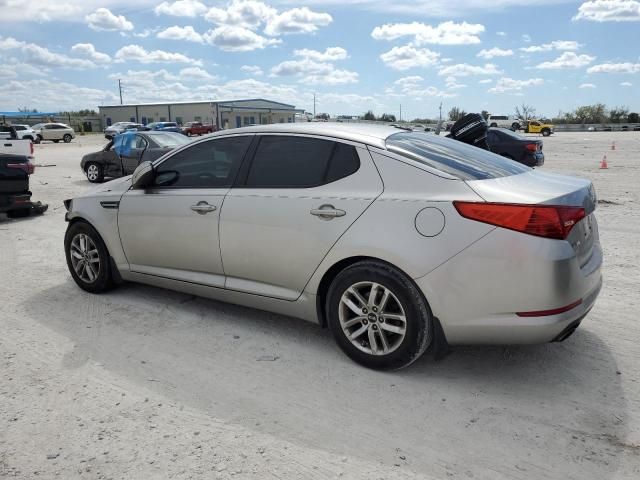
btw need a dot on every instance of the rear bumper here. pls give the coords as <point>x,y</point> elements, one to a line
<point>15,202</point>
<point>476,294</point>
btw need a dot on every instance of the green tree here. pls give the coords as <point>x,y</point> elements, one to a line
<point>369,116</point>
<point>633,117</point>
<point>618,114</point>
<point>387,117</point>
<point>525,112</point>
<point>456,114</point>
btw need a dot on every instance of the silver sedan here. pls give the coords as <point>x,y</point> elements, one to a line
<point>396,241</point>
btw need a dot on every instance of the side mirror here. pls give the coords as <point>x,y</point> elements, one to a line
<point>143,175</point>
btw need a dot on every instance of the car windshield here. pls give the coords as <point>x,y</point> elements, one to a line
<point>170,139</point>
<point>453,157</point>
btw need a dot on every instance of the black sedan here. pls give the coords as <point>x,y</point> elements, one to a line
<point>122,155</point>
<point>516,147</point>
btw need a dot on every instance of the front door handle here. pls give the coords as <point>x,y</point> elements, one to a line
<point>203,208</point>
<point>327,212</point>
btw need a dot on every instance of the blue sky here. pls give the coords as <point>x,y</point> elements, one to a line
<point>355,56</point>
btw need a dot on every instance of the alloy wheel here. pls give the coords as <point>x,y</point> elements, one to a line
<point>85,258</point>
<point>372,318</point>
<point>93,172</point>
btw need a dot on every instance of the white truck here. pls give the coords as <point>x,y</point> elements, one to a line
<point>11,143</point>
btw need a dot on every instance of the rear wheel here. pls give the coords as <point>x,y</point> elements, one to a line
<point>546,132</point>
<point>38,138</point>
<point>87,258</point>
<point>66,138</point>
<point>378,317</point>
<point>94,172</point>
<point>494,124</point>
<point>515,126</point>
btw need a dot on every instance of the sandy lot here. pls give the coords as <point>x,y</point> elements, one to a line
<point>143,383</point>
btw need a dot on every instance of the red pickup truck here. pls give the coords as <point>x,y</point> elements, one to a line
<point>197,128</point>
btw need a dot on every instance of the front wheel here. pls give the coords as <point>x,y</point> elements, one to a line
<point>378,316</point>
<point>94,172</point>
<point>493,125</point>
<point>87,258</point>
<point>66,138</point>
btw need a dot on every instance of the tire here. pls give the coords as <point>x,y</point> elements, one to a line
<point>94,172</point>
<point>546,132</point>
<point>515,126</point>
<point>38,138</point>
<point>97,278</point>
<point>404,346</point>
<point>28,137</point>
<point>66,138</point>
<point>21,213</point>
<point>493,125</point>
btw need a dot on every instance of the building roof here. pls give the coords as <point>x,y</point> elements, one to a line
<point>226,103</point>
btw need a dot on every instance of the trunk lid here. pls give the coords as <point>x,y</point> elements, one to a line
<point>536,187</point>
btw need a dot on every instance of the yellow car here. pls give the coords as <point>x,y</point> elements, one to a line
<point>533,126</point>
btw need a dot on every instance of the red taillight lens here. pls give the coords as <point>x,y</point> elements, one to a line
<point>548,221</point>
<point>532,147</point>
<point>28,167</point>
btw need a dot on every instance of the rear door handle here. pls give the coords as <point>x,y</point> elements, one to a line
<point>203,208</point>
<point>327,212</point>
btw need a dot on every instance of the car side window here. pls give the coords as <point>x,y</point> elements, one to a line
<point>300,162</point>
<point>141,143</point>
<point>210,164</point>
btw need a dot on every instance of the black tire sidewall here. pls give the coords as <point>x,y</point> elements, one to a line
<point>104,281</point>
<point>419,333</point>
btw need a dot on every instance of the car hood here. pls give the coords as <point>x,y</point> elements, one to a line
<point>95,156</point>
<point>112,188</point>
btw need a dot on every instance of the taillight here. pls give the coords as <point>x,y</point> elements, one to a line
<point>31,146</point>
<point>27,167</point>
<point>532,147</point>
<point>548,221</point>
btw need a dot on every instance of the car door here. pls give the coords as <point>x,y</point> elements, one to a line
<point>294,199</point>
<point>171,229</point>
<point>131,156</point>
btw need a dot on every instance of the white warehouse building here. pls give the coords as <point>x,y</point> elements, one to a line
<point>230,114</point>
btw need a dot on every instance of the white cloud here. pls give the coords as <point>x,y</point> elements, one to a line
<point>37,55</point>
<point>89,51</point>
<point>626,84</point>
<point>196,73</point>
<point>331,54</point>
<point>626,67</point>
<point>252,70</point>
<point>297,20</point>
<point>336,77</point>
<point>464,70</point>
<point>103,20</point>
<point>181,33</point>
<point>526,38</point>
<point>609,11</point>
<point>567,60</point>
<point>587,85</point>
<point>181,8</point>
<point>555,45</point>
<point>245,13</point>
<point>237,39</point>
<point>494,52</point>
<point>446,33</point>
<point>131,53</point>
<point>486,80</point>
<point>433,92</point>
<point>7,72</point>
<point>508,85</point>
<point>501,34</point>
<point>409,83</point>
<point>407,56</point>
<point>312,72</point>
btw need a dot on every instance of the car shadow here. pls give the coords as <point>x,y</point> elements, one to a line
<point>538,408</point>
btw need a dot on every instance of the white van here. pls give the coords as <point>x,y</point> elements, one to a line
<point>504,121</point>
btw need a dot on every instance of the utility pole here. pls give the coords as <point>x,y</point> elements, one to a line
<point>314,105</point>
<point>400,112</point>
<point>120,90</point>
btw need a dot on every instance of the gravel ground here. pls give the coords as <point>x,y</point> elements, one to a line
<point>143,383</point>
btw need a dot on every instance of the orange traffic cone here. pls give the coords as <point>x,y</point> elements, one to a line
<point>603,163</point>
<point>613,145</point>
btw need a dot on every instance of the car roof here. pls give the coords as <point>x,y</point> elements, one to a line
<point>366,133</point>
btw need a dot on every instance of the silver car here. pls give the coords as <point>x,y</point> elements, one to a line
<point>397,241</point>
<point>54,132</point>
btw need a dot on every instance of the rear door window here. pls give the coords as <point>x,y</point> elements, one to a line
<point>300,162</point>
<point>453,157</point>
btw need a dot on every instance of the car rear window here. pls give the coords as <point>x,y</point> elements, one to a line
<point>169,139</point>
<point>453,157</point>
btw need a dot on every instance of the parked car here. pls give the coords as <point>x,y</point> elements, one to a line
<point>54,132</point>
<point>397,241</point>
<point>15,197</point>
<point>197,128</point>
<point>504,121</point>
<point>25,132</point>
<point>124,153</point>
<point>120,127</point>
<point>516,147</point>
<point>164,127</point>
<point>535,126</point>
